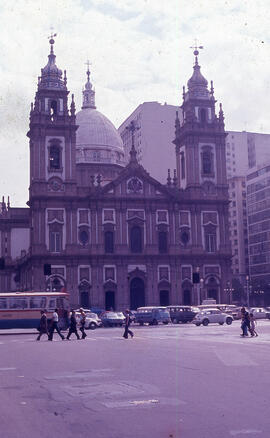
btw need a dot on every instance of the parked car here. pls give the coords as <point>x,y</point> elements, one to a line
<point>132,315</point>
<point>92,321</point>
<point>260,312</point>
<point>110,319</point>
<point>152,315</point>
<point>208,316</point>
<point>182,314</point>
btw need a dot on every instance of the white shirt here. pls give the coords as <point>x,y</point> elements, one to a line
<point>55,317</point>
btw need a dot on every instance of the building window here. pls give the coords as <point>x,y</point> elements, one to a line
<point>55,241</point>
<point>54,157</point>
<point>183,166</point>
<point>136,239</point>
<point>210,242</point>
<point>109,242</point>
<point>162,241</point>
<point>83,237</point>
<point>207,161</point>
<point>203,115</point>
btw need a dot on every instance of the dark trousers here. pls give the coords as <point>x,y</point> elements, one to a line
<point>127,332</point>
<point>55,327</point>
<point>73,330</point>
<point>82,330</point>
<point>42,333</point>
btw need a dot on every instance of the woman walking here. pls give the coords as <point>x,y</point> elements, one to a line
<point>43,325</point>
<point>82,323</point>
<point>73,326</point>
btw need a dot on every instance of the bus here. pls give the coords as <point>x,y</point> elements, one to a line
<point>22,309</point>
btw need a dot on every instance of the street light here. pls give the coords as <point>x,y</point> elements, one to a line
<point>229,290</point>
<point>248,287</point>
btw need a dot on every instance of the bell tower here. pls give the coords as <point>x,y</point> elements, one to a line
<point>52,133</point>
<point>200,138</point>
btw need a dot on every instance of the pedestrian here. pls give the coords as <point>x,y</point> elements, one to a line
<point>245,322</point>
<point>73,325</point>
<point>253,324</point>
<point>54,326</point>
<point>127,324</point>
<point>82,323</point>
<point>43,325</point>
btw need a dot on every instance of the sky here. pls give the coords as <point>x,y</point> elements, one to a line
<point>139,52</point>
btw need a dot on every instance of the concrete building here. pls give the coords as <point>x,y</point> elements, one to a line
<point>153,137</point>
<point>114,235</point>
<point>258,208</point>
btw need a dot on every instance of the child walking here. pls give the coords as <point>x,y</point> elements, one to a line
<point>253,324</point>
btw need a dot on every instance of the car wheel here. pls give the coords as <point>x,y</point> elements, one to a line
<point>205,322</point>
<point>221,323</point>
<point>198,324</point>
<point>155,322</point>
<point>165,322</point>
<point>229,321</point>
<point>92,326</point>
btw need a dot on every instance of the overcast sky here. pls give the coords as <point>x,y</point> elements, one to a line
<point>139,51</point>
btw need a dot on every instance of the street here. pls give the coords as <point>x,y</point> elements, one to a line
<point>176,381</point>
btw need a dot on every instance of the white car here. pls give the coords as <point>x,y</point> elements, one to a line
<point>259,312</point>
<point>92,321</point>
<point>209,316</point>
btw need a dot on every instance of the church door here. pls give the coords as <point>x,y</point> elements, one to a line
<point>137,295</point>
<point>187,297</point>
<point>164,297</point>
<point>109,300</point>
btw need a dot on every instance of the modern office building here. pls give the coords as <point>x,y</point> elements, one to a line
<point>258,210</point>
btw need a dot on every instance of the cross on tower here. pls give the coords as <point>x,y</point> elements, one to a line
<point>88,63</point>
<point>196,51</point>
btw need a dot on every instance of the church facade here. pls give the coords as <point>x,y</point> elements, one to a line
<point>113,236</point>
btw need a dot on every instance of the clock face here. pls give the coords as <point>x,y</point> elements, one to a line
<point>134,185</point>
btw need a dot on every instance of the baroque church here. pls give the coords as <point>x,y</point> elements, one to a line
<point>104,230</point>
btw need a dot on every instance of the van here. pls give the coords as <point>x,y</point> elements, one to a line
<point>182,313</point>
<point>152,315</point>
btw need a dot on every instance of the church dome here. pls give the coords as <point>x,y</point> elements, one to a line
<point>97,140</point>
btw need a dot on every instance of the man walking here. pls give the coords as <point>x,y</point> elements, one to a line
<point>127,324</point>
<point>54,326</point>
<point>73,326</point>
<point>82,323</point>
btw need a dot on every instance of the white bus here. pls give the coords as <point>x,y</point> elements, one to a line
<point>22,309</point>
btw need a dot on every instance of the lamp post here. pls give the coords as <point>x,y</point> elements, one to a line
<point>229,290</point>
<point>248,289</point>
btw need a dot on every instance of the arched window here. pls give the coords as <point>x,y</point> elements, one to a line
<point>183,166</point>
<point>109,242</point>
<point>53,108</point>
<point>54,157</point>
<point>136,239</point>
<point>162,241</point>
<point>83,237</point>
<point>203,115</point>
<point>206,162</point>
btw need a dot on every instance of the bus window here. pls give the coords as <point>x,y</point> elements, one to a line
<point>17,303</point>
<point>52,304</point>
<point>3,303</point>
<point>59,303</point>
<point>38,303</point>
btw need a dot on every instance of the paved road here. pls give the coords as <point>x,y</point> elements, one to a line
<point>168,382</point>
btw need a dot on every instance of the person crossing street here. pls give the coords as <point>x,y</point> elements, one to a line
<point>127,324</point>
<point>54,326</point>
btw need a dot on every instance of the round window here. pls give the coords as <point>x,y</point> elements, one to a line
<point>83,237</point>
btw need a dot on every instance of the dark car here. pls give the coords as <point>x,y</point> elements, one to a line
<point>182,313</point>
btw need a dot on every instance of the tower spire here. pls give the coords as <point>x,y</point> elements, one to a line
<point>88,92</point>
<point>51,75</point>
